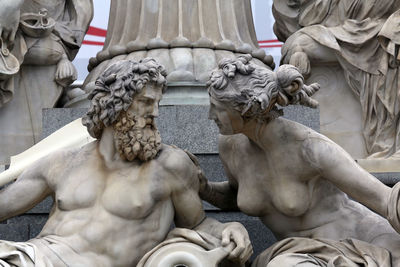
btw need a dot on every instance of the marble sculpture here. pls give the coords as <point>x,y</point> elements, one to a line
<point>314,197</point>
<point>42,37</point>
<point>363,37</point>
<point>188,37</point>
<point>116,197</point>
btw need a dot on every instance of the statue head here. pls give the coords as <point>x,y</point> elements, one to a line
<point>255,91</point>
<point>126,98</point>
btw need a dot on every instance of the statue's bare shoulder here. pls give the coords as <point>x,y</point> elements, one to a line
<point>178,165</point>
<point>53,165</point>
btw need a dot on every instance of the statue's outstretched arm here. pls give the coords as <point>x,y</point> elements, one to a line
<point>27,191</point>
<point>337,166</point>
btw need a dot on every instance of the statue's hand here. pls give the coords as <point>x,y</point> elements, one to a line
<point>301,61</point>
<point>235,233</point>
<point>9,19</point>
<point>66,72</point>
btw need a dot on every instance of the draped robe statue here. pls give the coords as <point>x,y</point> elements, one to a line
<point>45,70</point>
<point>362,36</point>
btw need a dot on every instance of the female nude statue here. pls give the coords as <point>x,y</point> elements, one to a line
<point>297,181</point>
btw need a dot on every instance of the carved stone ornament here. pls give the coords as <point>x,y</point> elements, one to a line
<point>188,37</point>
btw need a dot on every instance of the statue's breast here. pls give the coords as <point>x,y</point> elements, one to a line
<point>291,198</point>
<point>268,183</point>
<point>78,192</point>
<point>249,167</point>
<point>263,194</point>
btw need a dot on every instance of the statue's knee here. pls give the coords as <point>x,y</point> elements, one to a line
<point>298,41</point>
<point>294,260</point>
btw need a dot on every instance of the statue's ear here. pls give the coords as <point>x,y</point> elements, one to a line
<point>282,100</point>
<point>295,86</point>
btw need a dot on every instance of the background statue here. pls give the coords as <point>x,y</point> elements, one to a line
<point>363,37</point>
<point>115,198</point>
<point>44,36</point>
<point>294,179</point>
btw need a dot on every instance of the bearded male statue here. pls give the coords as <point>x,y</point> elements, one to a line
<point>116,197</point>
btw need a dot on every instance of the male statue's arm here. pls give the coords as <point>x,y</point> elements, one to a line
<point>189,213</point>
<point>30,188</point>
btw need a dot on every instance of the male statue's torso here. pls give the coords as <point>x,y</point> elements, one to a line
<point>110,217</point>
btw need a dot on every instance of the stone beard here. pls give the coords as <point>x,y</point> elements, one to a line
<point>136,137</point>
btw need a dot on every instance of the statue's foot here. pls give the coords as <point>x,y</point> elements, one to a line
<point>66,72</point>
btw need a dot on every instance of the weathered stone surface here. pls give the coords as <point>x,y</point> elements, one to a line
<point>43,207</point>
<point>187,40</point>
<point>177,123</point>
<point>55,118</point>
<point>39,55</point>
<point>388,178</point>
<point>104,202</point>
<point>14,232</point>
<point>261,237</point>
<point>299,183</point>
<point>354,56</point>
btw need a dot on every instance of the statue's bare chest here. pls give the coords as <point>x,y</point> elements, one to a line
<point>267,186</point>
<point>130,193</point>
<point>251,176</point>
<point>133,196</point>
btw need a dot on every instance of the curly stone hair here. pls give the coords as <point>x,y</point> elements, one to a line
<point>115,90</point>
<point>254,90</point>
